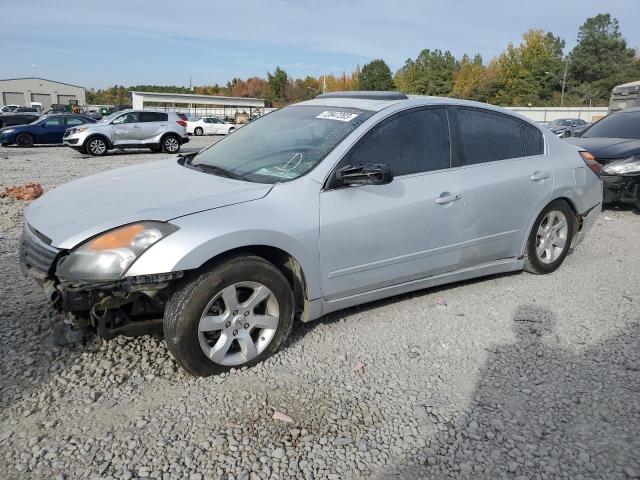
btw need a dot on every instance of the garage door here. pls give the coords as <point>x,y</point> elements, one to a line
<point>13,98</point>
<point>64,99</point>
<point>43,98</point>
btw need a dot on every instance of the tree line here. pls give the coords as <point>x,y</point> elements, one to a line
<point>530,73</point>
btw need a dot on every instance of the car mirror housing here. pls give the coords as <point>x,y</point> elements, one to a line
<point>365,174</point>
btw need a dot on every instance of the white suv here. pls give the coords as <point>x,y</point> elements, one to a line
<point>160,131</point>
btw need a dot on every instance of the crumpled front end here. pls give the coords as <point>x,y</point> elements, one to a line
<point>131,306</point>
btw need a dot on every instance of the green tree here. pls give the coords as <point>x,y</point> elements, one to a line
<point>431,73</point>
<point>601,58</point>
<point>277,86</point>
<point>375,75</point>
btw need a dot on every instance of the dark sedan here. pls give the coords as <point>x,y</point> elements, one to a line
<point>10,119</point>
<point>46,130</point>
<point>566,127</point>
<point>614,141</point>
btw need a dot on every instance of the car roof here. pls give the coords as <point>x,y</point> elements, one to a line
<point>367,102</point>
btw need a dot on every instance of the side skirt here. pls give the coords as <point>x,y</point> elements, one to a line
<point>490,268</point>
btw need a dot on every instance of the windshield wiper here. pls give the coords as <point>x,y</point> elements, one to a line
<point>221,172</point>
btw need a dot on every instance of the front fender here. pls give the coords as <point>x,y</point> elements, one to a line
<point>291,227</point>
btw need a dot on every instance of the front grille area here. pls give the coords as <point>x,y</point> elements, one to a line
<point>35,254</point>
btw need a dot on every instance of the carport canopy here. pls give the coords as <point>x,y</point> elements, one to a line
<point>138,100</point>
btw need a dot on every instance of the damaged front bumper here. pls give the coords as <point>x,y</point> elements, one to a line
<point>622,188</point>
<point>131,306</point>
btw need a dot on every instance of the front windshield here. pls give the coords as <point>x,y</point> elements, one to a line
<point>282,145</point>
<point>616,125</point>
<point>561,122</point>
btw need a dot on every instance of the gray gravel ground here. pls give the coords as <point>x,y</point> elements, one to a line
<point>513,376</point>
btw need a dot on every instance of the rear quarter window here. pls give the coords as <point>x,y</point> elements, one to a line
<point>533,140</point>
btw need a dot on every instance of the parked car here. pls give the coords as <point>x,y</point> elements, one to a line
<point>8,108</point>
<point>564,127</point>
<point>10,119</point>
<point>334,202</point>
<point>27,110</point>
<point>160,131</point>
<point>614,141</point>
<point>209,126</point>
<point>48,129</point>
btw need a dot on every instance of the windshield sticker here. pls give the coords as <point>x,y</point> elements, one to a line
<point>340,116</point>
<point>276,172</point>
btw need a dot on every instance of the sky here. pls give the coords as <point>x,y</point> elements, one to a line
<point>97,43</point>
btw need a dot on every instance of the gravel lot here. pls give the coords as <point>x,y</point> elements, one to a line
<point>513,376</point>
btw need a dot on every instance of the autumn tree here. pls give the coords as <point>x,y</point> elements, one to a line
<point>469,77</point>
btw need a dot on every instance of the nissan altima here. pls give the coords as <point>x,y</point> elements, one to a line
<point>329,203</point>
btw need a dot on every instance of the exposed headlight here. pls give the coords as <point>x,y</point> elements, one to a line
<point>109,255</point>
<point>621,167</point>
<point>10,130</point>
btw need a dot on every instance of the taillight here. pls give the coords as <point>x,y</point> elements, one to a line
<point>182,123</point>
<point>591,162</point>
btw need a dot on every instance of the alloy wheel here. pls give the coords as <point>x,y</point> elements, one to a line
<point>238,323</point>
<point>551,237</point>
<point>97,146</point>
<point>171,145</point>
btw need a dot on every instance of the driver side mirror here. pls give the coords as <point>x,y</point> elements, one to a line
<point>365,174</point>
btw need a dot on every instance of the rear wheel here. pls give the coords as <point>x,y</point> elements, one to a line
<point>171,144</point>
<point>24,140</point>
<point>96,146</point>
<point>550,238</point>
<point>198,131</point>
<point>235,314</point>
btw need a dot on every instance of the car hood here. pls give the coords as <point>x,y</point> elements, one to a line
<point>607,148</point>
<point>160,190</point>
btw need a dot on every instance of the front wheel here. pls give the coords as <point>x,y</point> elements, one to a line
<point>24,140</point>
<point>550,238</point>
<point>171,144</point>
<point>96,146</point>
<point>233,315</point>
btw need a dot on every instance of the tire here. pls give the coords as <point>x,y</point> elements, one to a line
<point>198,131</point>
<point>25,140</point>
<point>96,146</point>
<point>550,238</point>
<point>240,278</point>
<point>231,130</point>
<point>171,144</point>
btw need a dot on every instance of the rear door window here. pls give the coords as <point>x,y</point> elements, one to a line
<point>153,117</point>
<point>76,121</point>
<point>488,136</point>
<point>410,142</point>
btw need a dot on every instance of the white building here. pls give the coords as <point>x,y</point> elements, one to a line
<point>23,91</point>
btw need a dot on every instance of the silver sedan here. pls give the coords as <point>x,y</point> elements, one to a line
<point>334,202</point>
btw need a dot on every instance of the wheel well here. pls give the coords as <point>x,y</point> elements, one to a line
<point>573,208</point>
<point>286,263</point>
<point>170,134</point>
<point>97,135</point>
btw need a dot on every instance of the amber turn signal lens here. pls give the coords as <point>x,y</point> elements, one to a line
<point>591,162</point>
<point>121,237</point>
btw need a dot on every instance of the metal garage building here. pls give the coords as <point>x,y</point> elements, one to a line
<point>23,91</point>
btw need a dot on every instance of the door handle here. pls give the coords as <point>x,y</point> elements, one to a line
<point>537,176</point>
<point>447,197</point>
<point>136,126</point>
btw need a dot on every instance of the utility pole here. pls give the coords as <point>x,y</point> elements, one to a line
<point>324,84</point>
<point>33,65</point>
<point>564,81</point>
